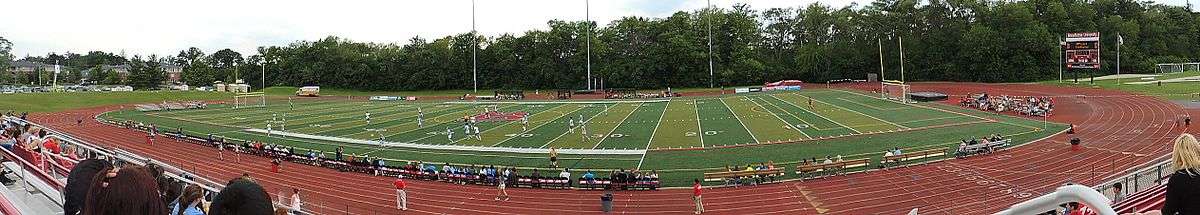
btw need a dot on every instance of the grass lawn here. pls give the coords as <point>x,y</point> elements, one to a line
<point>60,101</point>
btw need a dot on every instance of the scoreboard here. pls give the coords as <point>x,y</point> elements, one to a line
<point>1083,50</point>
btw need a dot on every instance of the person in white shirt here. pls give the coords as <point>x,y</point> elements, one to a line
<point>566,174</point>
<point>296,203</point>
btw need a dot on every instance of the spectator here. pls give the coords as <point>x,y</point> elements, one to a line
<point>1183,191</point>
<point>296,203</point>
<point>696,199</point>
<point>129,191</point>
<point>1118,196</point>
<point>589,176</point>
<point>190,201</point>
<point>566,174</point>
<point>241,196</point>
<point>79,183</point>
<point>401,194</point>
<point>501,193</point>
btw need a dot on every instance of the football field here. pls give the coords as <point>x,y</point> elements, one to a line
<point>679,136</point>
<point>651,124</point>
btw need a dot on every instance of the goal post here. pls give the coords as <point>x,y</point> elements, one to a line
<point>249,100</point>
<point>894,90</point>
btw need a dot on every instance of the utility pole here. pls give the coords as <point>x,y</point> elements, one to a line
<point>474,47</point>
<point>588,17</point>
<point>708,19</point>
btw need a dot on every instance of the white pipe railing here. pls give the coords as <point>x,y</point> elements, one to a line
<point>1065,194</point>
<point>204,183</point>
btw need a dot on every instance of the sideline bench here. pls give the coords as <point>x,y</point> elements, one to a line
<point>821,170</point>
<point>973,149</point>
<point>735,177</point>
<point>918,155</point>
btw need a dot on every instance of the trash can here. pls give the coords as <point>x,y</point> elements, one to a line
<point>606,204</point>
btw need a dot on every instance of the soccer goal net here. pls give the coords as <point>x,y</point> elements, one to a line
<point>1177,67</point>
<point>247,100</point>
<point>894,90</point>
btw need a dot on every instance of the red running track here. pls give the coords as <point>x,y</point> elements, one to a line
<point>1120,131</point>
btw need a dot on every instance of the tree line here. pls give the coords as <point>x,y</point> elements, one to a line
<point>943,40</point>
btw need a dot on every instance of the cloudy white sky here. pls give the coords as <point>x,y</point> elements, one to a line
<point>164,27</point>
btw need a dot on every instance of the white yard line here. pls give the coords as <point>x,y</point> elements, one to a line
<point>618,126</point>
<point>735,116</point>
<point>700,132</point>
<point>921,106</point>
<point>652,133</point>
<point>780,118</point>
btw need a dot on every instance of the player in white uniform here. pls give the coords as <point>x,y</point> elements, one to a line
<point>571,126</point>
<point>478,136</point>
<point>525,123</point>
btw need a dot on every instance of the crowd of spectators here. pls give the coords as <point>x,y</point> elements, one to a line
<point>1024,105</point>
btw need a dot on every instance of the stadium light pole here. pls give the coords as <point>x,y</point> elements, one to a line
<point>56,69</point>
<point>881,78</point>
<point>708,19</point>
<point>901,59</point>
<point>474,47</point>
<point>587,14</point>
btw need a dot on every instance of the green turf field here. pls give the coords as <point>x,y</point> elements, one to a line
<point>683,137</point>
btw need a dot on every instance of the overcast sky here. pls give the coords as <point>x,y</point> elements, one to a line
<point>164,27</point>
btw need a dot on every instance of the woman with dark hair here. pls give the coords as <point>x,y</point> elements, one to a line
<point>241,197</point>
<point>124,191</point>
<point>79,182</point>
<point>190,201</point>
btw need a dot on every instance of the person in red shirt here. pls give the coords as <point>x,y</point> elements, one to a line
<point>401,195</point>
<point>51,145</point>
<point>275,165</point>
<point>696,197</point>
